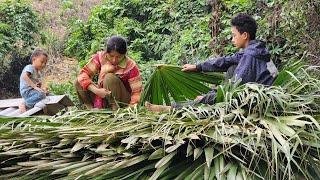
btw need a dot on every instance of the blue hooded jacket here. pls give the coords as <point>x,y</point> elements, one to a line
<point>253,64</point>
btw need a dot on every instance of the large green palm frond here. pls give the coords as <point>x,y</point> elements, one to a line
<point>169,83</point>
<point>298,78</point>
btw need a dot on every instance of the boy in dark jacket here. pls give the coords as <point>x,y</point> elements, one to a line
<point>252,64</point>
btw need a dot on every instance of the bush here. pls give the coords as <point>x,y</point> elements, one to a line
<point>19,31</point>
<point>152,29</point>
<point>65,88</point>
<point>182,31</point>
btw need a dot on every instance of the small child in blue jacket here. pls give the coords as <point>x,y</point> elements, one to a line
<point>252,64</point>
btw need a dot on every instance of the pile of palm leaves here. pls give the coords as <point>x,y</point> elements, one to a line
<point>251,132</point>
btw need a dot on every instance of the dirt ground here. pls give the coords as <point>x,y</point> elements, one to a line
<point>60,70</point>
<point>56,16</point>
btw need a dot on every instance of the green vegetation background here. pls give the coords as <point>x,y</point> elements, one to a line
<point>161,31</point>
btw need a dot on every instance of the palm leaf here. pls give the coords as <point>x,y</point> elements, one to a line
<point>170,83</point>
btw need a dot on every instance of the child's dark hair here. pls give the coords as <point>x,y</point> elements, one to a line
<point>38,52</point>
<point>116,43</point>
<point>245,23</point>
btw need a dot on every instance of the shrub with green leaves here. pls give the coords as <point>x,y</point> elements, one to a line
<point>181,31</point>
<point>280,24</point>
<point>19,25</point>
<point>151,27</point>
<point>19,32</point>
<point>66,88</point>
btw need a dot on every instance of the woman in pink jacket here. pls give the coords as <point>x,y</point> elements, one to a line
<point>119,81</point>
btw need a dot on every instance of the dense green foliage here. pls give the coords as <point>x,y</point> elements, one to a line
<point>184,31</point>
<point>19,33</point>
<point>169,30</point>
<point>175,32</point>
<point>65,89</point>
<point>19,28</point>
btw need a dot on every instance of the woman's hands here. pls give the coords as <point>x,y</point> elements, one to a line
<point>101,92</point>
<point>108,68</point>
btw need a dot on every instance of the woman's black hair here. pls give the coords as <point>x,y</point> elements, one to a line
<point>38,52</point>
<point>116,43</point>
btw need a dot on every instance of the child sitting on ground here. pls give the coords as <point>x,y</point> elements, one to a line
<point>31,88</point>
<point>253,64</point>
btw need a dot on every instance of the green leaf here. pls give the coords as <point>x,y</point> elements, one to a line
<point>197,153</point>
<point>160,170</point>
<point>232,173</point>
<point>85,168</point>
<point>69,168</point>
<point>159,153</point>
<point>165,160</point>
<point>209,155</point>
<point>132,161</point>
<point>189,150</point>
<point>174,147</point>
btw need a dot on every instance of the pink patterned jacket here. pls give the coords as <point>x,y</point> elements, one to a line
<point>129,74</point>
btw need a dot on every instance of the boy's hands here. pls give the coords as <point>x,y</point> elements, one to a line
<point>198,98</point>
<point>189,67</point>
<point>39,84</point>
<point>39,89</point>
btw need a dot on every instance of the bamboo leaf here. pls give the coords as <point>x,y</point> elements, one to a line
<point>165,160</point>
<point>85,168</point>
<point>209,155</point>
<point>77,147</point>
<point>159,153</point>
<point>189,150</point>
<point>197,173</point>
<point>174,147</point>
<point>160,170</point>
<point>69,168</point>
<point>132,161</point>
<point>197,153</point>
<point>232,173</point>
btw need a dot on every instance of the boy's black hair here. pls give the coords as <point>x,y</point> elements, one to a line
<point>38,52</point>
<point>245,23</point>
<point>116,43</point>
